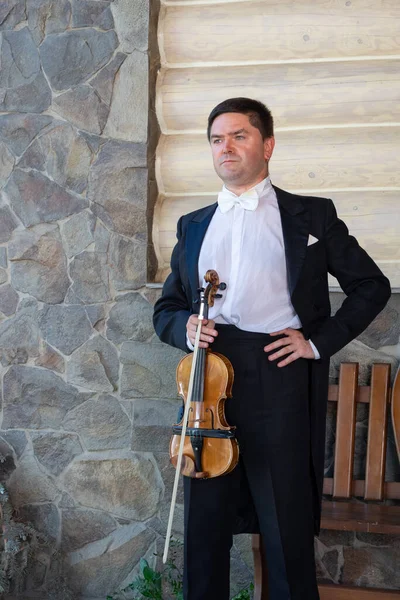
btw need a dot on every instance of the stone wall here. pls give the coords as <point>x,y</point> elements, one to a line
<point>88,392</point>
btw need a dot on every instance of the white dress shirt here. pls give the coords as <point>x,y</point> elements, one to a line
<point>246,248</point>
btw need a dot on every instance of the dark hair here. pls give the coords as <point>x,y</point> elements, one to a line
<point>259,115</point>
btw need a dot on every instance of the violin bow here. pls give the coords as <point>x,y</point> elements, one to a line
<point>183,433</point>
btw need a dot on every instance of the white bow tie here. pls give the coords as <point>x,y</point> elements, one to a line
<point>248,200</point>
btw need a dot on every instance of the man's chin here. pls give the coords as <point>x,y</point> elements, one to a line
<point>228,174</point>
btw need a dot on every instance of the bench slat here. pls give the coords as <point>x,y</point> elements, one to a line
<point>396,411</point>
<point>345,430</point>
<point>357,516</point>
<point>339,592</point>
<point>377,428</point>
<point>392,488</point>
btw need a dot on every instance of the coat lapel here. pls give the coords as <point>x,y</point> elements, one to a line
<point>295,227</point>
<point>196,231</point>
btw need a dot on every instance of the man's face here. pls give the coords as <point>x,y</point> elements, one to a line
<point>239,153</point>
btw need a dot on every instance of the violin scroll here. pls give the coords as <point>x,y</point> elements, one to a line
<point>210,293</point>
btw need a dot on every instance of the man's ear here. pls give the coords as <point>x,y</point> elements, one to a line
<point>269,145</point>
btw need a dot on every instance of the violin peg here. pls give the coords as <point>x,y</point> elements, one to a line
<point>222,286</point>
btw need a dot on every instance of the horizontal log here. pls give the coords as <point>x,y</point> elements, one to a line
<point>372,216</point>
<point>239,32</point>
<point>319,159</point>
<point>305,95</point>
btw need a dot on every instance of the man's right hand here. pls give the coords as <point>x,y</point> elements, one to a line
<point>208,333</point>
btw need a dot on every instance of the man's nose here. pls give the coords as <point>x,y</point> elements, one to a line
<point>228,146</point>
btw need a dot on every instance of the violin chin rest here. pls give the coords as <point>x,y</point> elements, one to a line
<point>188,467</point>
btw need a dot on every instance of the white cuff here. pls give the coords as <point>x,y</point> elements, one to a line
<point>316,353</point>
<point>189,343</point>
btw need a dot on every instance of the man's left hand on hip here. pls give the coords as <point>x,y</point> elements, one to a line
<point>294,344</point>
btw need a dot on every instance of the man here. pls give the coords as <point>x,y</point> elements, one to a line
<point>274,251</point>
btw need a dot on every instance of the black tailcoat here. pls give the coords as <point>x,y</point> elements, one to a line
<point>367,291</point>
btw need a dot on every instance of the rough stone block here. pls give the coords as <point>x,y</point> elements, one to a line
<point>89,273</point>
<point>47,16</point>
<point>168,475</point>
<point>78,233</point>
<point>26,89</point>
<point>95,365</point>
<point>94,572</point>
<point>18,131</point>
<point>101,424</point>
<point>38,264</point>
<point>132,23</point>
<point>16,439</point>
<point>3,257</point>
<point>96,313</point>
<point>37,199</point>
<point>49,358</point>
<point>149,370</point>
<point>43,517</point>
<point>92,13</point>
<point>55,450</point>
<point>65,327</point>
<point>103,81</point>
<point>128,117</point>
<point>128,262</point>
<point>64,154</point>
<point>82,526</point>
<point>331,538</point>
<point>3,276</point>
<point>130,319</point>
<point>12,12</point>
<point>29,485</point>
<point>118,187</point>
<point>101,237</point>
<point>20,332</point>
<point>83,107</point>
<point>7,464</point>
<point>152,294</point>
<point>372,566</point>
<point>152,424</point>
<point>7,223</point>
<point>358,352</point>
<point>6,163</point>
<point>72,57</point>
<point>125,483</point>
<point>36,398</point>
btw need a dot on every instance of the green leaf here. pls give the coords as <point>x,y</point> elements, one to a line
<point>148,574</point>
<point>143,564</point>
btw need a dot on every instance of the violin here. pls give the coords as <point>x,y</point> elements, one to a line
<point>203,444</point>
<point>210,448</point>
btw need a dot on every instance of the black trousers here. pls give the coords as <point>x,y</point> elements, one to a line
<point>270,410</point>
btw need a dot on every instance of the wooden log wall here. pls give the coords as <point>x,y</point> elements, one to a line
<point>329,70</point>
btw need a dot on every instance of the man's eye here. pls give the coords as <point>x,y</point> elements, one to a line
<point>216,141</point>
<point>240,137</point>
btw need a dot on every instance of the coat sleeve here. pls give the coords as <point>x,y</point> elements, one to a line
<point>172,310</point>
<point>367,289</point>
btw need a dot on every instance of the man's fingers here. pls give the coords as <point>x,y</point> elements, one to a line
<point>278,344</point>
<point>291,358</point>
<point>282,352</point>
<point>208,333</point>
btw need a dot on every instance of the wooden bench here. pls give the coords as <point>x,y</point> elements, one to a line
<point>344,512</point>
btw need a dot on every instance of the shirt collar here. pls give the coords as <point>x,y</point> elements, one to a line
<point>261,188</point>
